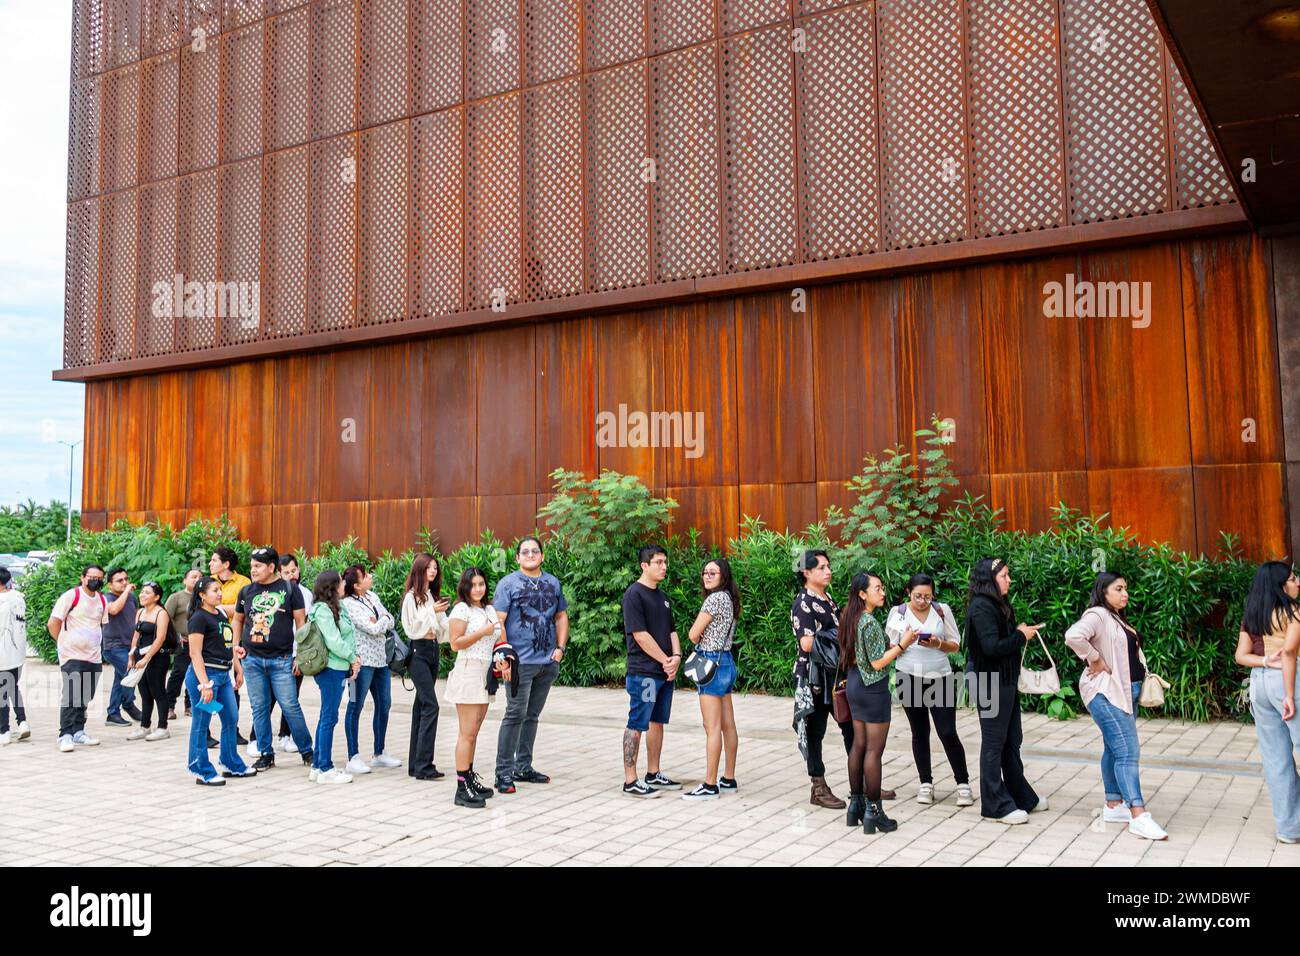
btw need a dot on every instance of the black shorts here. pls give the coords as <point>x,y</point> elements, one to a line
<point>870,703</point>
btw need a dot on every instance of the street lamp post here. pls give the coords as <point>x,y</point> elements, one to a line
<point>71,448</point>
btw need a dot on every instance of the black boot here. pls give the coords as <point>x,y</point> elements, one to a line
<point>875,819</point>
<point>465,797</point>
<point>857,809</point>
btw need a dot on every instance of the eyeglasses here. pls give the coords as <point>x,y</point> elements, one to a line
<point>922,598</point>
<point>528,552</point>
<point>709,574</point>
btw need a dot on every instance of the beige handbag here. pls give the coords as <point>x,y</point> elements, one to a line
<point>1038,682</point>
<point>1153,686</point>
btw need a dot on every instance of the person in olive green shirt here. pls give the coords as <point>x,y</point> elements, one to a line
<point>178,611</point>
<point>335,627</point>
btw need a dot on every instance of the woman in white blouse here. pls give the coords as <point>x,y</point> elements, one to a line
<point>926,684</point>
<point>424,619</point>
<point>473,629</point>
<point>371,622</point>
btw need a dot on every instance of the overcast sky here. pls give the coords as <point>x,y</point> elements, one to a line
<point>34,45</point>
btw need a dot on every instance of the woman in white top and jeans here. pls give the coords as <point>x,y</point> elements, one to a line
<point>424,619</point>
<point>371,622</point>
<point>473,629</point>
<point>926,685</point>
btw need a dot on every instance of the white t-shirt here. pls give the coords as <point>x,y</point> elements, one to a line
<point>13,629</point>
<point>917,660</point>
<point>82,636</point>
<point>477,618</point>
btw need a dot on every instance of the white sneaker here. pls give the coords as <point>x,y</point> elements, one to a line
<point>1118,814</point>
<point>1014,817</point>
<point>1282,839</point>
<point>253,749</point>
<point>287,746</point>
<point>1146,827</point>
<point>161,733</point>
<point>334,775</point>
<point>1040,806</point>
<point>925,794</point>
<point>83,740</point>
<point>385,761</point>
<point>312,775</point>
<point>66,744</point>
<point>139,733</point>
<point>357,765</point>
<point>965,796</point>
<point>23,730</point>
<point>5,739</point>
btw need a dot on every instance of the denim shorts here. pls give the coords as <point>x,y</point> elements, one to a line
<point>650,701</point>
<point>724,681</point>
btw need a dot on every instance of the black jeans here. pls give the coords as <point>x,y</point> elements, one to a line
<point>1003,787</point>
<point>924,698</point>
<point>815,727</point>
<point>176,679</point>
<point>153,690</point>
<point>11,696</point>
<point>79,680</point>
<point>518,730</point>
<point>424,713</point>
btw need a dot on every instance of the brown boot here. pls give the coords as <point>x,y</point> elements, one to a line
<point>822,797</point>
<point>888,795</point>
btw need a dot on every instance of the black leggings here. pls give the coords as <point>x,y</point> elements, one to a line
<point>153,690</point>
<point>11,696</point>
<point>926,697</point>
<point>866,758</point>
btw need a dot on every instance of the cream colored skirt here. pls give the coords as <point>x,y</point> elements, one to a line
<point>467,682</point>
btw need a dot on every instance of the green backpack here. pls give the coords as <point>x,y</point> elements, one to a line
<point>313,656</point>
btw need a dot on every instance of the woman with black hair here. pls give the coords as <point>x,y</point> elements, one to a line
<point>995,644</point>
<point>865,659</point>
<point>1267,643</point>
<point>712,634</point>
<point>424,620</point>
<point>214,675</point>
<point>473,630</point>
<point>336,630</point>
<point>151,652</point>
<point>1110,687</point>
<point>926,686</point>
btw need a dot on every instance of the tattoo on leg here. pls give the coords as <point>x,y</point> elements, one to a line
<point>631,744</point>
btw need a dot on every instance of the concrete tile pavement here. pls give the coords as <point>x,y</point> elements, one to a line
<point>1202,782</point>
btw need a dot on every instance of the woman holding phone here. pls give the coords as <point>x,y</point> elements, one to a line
<point>214,676</point>
<point>995,644</point>
<point>424,619</point>
<point>152,627</point>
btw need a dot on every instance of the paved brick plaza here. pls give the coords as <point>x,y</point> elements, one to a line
<point>1201,780</point>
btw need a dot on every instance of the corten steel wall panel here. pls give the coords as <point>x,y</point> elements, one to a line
<point>566,399</point>
<point>839,166</point>
<point>288,113</point>
<point>758,150</point>
<point>385,79</point>
<point>1156,504</point>
<point>1199,178</point>
<point>296,462</point>
<point>437,215</point>
<point>775,388</point>
<point>922,126</point>
<point>121,32</point>
<point>196,241</point>
<point>740,15</point>
<point>203,16</point>
<point>121,126</point>
<point>617,151</point>
<point>506,434</point>
<point>239,13</point>
<point>134,439</point>
<point>1135,379</point>
<point>507,511</point>
<point>242,97</point>
<point>855,405</point>
<point>331,233</point>
<point>491,46</point>
<point>398,389</point>
<point>630,371</point>
<point>284,243</point>
<point>160,28</point>
<point>294,527</point>
<point>159,102</point>
<point>169,462</point>
<point>685,184</point>
<point>383,173</point>
<point>492,202</point>
<point>81,284</point>
<point>239,210</point>
<point>336,521</point>
<point>552,156</point>
<point>94,467</point>
<point>251,476</point>
<point>1014,80</point>
<point>450,421</point>
<point>83,138</point>
<point>615,31</point>
<point>255,523</point>
<point>117,297</point>
<point>393,525</point>
<point>1246,500</point>
<point>437,40</point>
<point>678,23</point>
<point>454,521</point>
<point>333,67</point>
<point>1232,359</point>
<point>817,6</point>
<point>155,316</point>
<point>114,470</point>
<point>1026,357</point>
<point>780,506</point>
<point>200,86</point>
<point>1027,501</point>
<point>715,511</point>
<point>347,427</point>
<point>210,451</point>
<point>700,377</point>
<point>1115,122</point>
<point>552,40</point>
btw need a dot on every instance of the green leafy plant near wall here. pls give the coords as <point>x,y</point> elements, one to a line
<point>1185,607</point>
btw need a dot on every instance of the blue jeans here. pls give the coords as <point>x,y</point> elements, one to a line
<point>223,692</point>
<point>724,680</point>
<point>1278,739</point>
<point>119,696</point>
<point>650,701</point>
<point>270,680</point>
<point>330,684</point>
<point>378,682</point>
<point>1119,754</point>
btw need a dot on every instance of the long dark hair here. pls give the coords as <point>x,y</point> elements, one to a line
<point>351,577</point>
<point>1098,598</point>
<point>854,608</point>
<point>1268,604</point>
<point>466,584</point>
<point>725,583</point>
<point>196,600</point>
<point>983,581</point>
<point>416,583</point>
<point>325,591</point>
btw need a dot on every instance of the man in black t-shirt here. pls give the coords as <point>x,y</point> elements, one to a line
<point>653,656</point>
<point>267,613</point>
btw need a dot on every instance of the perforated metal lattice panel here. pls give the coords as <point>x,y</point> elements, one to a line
<point>678,23</point>
<point>615,31</point>
<point>384,45</point>
<point>1115,125</point>
<point>116,327</point>
<point>618,160</point>
<point>1199,178</point>
<point>196,242</point>
<point>121,127</point>
<point>202,19</point>
<point>87,38</point>
<point>552,132</point>
<point>242,101</point>
<point>552,40</point>
<point>437,40</point>
<point>83,139</point>
<point>288,116</point>
<point>437,219</point>
<point>740,15</point>
<point>492,46</point>
<point>685,181</point>
<point>161,27</point>
<point>121,32</point>
<point>199,105</point>
<point>331,232</point>
<point>157,280</point>
<point>239,252</point>
<point>492,202</point>
<point>240,13</point>
<point>333,52</point>
<point>81,290</point>
<point>1014,76</point>
<point>839,164</point>
<point>159,95</point>
<point>284,243</point>
<point>383,174</point>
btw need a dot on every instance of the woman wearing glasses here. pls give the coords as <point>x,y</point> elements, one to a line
<point>712,634</point>
<point>927,688</point>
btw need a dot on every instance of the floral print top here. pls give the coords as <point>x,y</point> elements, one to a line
<point>870,646</point>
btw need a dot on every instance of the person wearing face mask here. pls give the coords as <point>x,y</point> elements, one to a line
<point>76,623</point>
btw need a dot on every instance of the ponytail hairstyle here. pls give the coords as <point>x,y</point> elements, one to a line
<point>325,591</point>
<point>416,583</point>
<point>196,598</point>
<point>854,608</point>
<point>350,579</point>
<point>983,581</point>
<point>1267,604</point>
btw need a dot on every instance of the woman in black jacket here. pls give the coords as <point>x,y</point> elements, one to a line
<point>996,644</point>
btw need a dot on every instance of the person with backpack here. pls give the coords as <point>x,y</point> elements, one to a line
<point>13,652</point>
<point>473,632</point>
<point>215,672</point>
<point>712,634</point>
<point>150,652</point>
<point>424,620</point>
<point>371,622</point>
<point>334,627</point>
<point>76,623</point>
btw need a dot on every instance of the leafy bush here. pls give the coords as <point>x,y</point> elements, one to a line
<point>33,527</point>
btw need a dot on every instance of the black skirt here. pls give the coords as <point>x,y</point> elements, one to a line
<point>868,702</point>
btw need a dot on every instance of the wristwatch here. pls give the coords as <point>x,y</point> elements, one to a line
<point>207,686</point>
<point>560,648</point>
